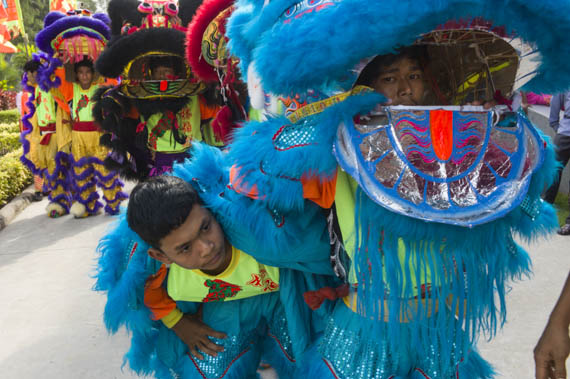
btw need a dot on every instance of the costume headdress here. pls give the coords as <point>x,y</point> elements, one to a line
<point>75,36</point>
<point>207,54</point>
<point>70,38</point>
<point>144,34</point>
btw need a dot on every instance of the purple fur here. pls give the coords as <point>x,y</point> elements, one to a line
<point>52,17</point>
<point>87,161</point>
<point>84,187</point>
<point>116,183</point>
<point>112,211</point>
<point>28,127</point>
<point>93,196</point>
<point>46,35</point>
<point>46,70</point>
<point>61,167</point>
<point>119,196</point>
<point>62,200</point>
<point>102,17</point>
<point>103,178</point>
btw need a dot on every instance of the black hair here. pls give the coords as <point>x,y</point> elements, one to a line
<point>373,69</point>
<point>158,206</point>
<point>84,63</point>
<point>31,66</point>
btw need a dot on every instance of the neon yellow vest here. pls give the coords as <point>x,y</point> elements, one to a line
<point>160,136</point>
<point>244,277</point>
<point>345,209</point>
<point>82,106</point>
<point>45,107</point>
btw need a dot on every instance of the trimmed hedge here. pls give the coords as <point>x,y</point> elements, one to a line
<point>14,177</point>
<point>9,142</point>
<point>9,116</point>
<point>10,128</point>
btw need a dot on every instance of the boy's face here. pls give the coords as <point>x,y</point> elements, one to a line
<point>402,82</point>
<point>84,76</point>
<point>162,73</point>
<point>199,243</point>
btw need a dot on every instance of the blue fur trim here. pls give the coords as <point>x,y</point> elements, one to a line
<point>487,255</point>
<point>121,272</point>
<point>339,36</point>
<point>55,24</point>
<point>250,225</point>
<point>317,159</point>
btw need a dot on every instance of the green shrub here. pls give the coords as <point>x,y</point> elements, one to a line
<point>9,142</point>
<point>14,177</point>
<point>9,116</point>
<point>10,128</point>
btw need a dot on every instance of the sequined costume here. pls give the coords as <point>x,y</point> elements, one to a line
<point>423,203</point>
<point>260,318</point>
<point>124,266</point>
<point>151,119</point>
<point>69,39</point>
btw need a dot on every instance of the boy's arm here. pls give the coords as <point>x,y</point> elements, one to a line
<point>188,327</point>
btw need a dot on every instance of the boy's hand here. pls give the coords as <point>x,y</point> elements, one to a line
<point>194,333</point>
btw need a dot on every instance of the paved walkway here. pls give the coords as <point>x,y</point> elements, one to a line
<point>51,324</point>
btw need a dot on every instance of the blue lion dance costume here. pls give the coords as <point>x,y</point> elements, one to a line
<point>422,213</point>
<point>422,204</point>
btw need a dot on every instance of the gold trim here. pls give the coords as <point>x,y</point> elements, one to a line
<point>320,106</point>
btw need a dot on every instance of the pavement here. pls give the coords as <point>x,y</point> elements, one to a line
<point>51,324</point>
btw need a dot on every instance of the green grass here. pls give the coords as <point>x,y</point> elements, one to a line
<point>561,204</point>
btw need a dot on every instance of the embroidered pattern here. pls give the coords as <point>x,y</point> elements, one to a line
<point>81,104</point>
<point>220,290</point>
<point>262,280</point>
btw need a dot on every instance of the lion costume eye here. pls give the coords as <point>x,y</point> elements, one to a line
<point>145,7</point>
<point>171,9</point>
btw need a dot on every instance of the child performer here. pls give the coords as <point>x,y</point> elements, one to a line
<point>231,307</point>
<point>88,171</point>
<point>76,39</point>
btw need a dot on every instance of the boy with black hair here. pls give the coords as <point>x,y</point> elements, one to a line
<point>87,171</point>
<point>215,285</point>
